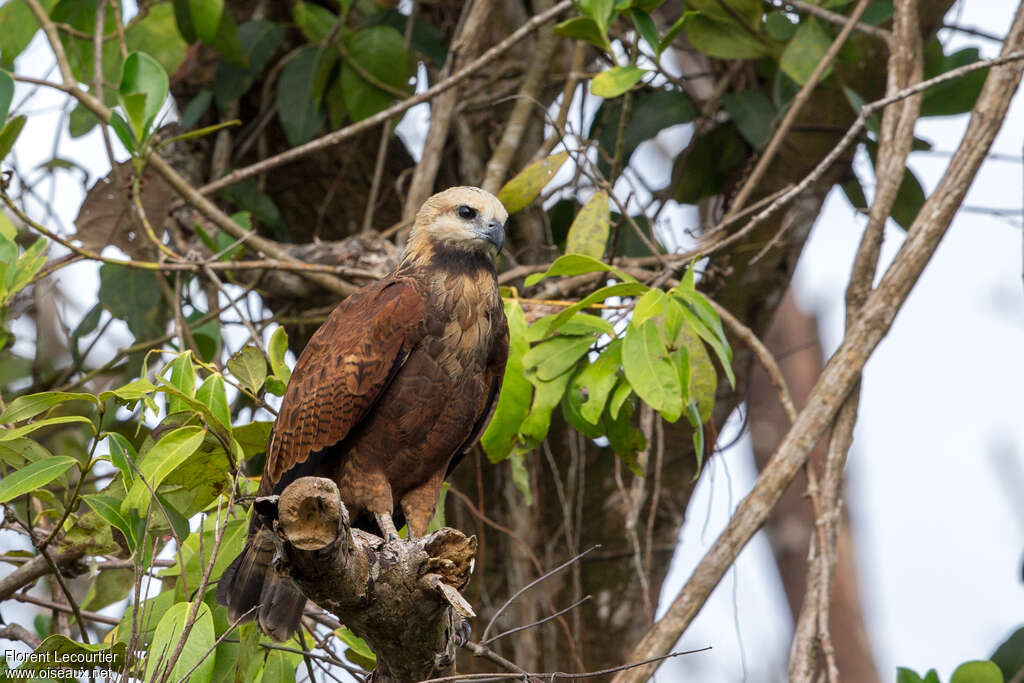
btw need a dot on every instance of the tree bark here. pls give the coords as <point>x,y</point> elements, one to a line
<point>401,597</point>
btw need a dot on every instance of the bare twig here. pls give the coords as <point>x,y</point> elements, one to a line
<point>546,575</point>
<point>546,619</point>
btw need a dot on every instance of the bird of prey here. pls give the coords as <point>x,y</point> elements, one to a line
<point>389,393</point>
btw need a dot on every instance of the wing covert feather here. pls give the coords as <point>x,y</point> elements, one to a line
<point>343,371</point>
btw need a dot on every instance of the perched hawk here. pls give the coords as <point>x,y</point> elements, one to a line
<point>389,393</point>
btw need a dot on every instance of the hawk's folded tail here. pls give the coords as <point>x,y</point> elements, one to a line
<point>251,582</point>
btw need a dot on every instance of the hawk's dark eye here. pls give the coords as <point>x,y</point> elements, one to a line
<point>467,212</point>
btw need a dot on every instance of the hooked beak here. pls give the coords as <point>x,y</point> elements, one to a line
<point>494,232</point>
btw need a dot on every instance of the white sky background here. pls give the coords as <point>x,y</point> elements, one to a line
<point>935,476</point>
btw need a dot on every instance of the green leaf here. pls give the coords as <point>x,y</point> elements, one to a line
<point>157,35</point>
<point>277,348</point>
<point>143,74</point>
<point>1009,656</point>
<point>514,400</point>
<point>653,303</point>
<point>981,671</point>
<point>694,418</point>
<point>518,192</point>
<point>615,81</point>
<point>133,296</point>
<point>183,378</point>
<point>909,200</point>
<point>24,407</point>
<point>259,41</point>
<point>711,161</point>
<point>34,476</point>
<point>19,27</point>
<point>123,132</point>
<point>958,95</point>
<point>599,378</point>
<point>753,113</point>
<point>358,651</point>
<point>249,367</point>
<point>81,121</point>
<point>205,16</point>
<point>426,38</point>
<point>26,268</point>
<point>107,587</point>
<point>584,28</point>
<point>169,452</point>
<point>779,27</point>
<point>620,289</point>
<point>651,371</point>
<point>296,107</point>
<point>183,18</point>
<point>214,395</point>
<point>705,322</point>
<point>588,234</point>
<point>875,14</point>
<point>379,51</point>
<point>805,51</point>
<point>647,29</point>
<point>109,509</point>
<point>619,395</point>
<point>58,648</point>
<point>252,437</point>
<point>9,434</point>
<point>227,40</point>
<point>197,646</point>
<point>207,336</point>
<point>724,40</point>
<point>7,230</point>
<point>133,391</point>
<point>728,11</point>
<point>546,396</point>
<point>87,325</point>
<point>598,10</point>
<point>6,94</point>
<point>579,324</point>
<point>313,20</point>
<point>122,455</point>
<point>195,109</point>
<point>556,356</point>
<point>577,264</point>
<point>9,134</point>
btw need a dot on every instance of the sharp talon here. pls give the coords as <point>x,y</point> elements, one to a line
<point>464,633</point>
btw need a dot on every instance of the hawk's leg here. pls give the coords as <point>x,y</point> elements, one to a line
<point>387,525</point>
<point>420,504</point>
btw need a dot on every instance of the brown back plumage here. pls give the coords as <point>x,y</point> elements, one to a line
<point>389,393</point>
